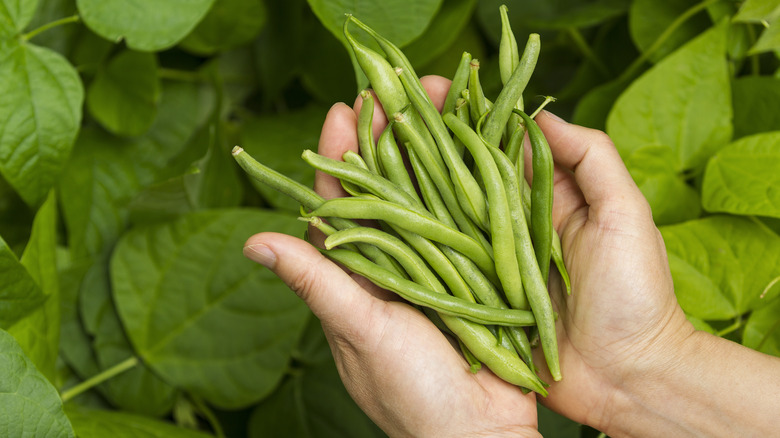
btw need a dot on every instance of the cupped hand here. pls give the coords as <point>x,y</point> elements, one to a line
<point>400,369</point>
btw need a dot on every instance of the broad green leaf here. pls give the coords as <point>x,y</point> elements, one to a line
<point>654,170</point>
<point>124,95</point>
<point>684,102</point>
<point>280,139</point>
<point>400,21</point>
<point>448,24</point>
<point>16,218</point>
<point>594,108</point>
<point>199,313</point>
<point>756,105</point>
<point>755,11</point>
<point>228,24</point>
<point>15,15</point>
<point>762,330</point>
<point>582,14</point>
<point>39,332</point>
<point>40,111</point>
<point>649,19</point>
<point>743,177</point>
<point>61,39</point>
<point>325,67</point>
<point>20,294</point>
<point>313,349</point>
<point>769,39</point>
<point>312,404</point>
<point>721,264</point>
<point>30,404</point>
<point>468,40</point>
<point>146,25</point>
<point>96,423</point>
<point>555,425</point>
<point>700,324</point>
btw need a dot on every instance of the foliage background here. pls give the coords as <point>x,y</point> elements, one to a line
<point>122,213</point>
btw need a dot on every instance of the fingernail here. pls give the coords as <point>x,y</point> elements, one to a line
<point>261,254</point>
<point>554,117</point>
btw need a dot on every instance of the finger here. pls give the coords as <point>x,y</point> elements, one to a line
<point>597,167</point>
<point>437,88</point>
<point>339,134</point>
<point>331,293</point>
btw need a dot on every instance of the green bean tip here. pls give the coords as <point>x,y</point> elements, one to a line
<point>237,150</point>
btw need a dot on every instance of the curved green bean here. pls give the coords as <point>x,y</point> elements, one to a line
<point>460,82</point>
<point>365,131</point>
<point>391,162</point>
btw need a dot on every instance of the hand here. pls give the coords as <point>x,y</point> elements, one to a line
<point>396,364</point>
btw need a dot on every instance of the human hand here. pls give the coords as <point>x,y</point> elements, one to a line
<point>400,369</point>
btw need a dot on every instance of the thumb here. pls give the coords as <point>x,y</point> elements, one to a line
<point>331,294</point>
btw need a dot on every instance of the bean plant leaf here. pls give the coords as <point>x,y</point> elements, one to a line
<point>30,404</point>
<point>61,39</point>
<point>20,294</point>
<point>40,112</point>
<point>312,404</point>
<point>445,28</point>
<point>756,105</point>
<point>15,15</point>
<point>649,19</point>
<point>224,333</point>
<point>762,330</point>
<point>38,333</point>
<point>400,21</point>
<point>145,25</point>
<point>96,423</point>
<point>743,177</point>
<point>280,139</point>
<point>684,102</point>
<point>124,95</point>
<point>756,11</point>
<point>721,264</point>
<point>228,24</point>
<point>769,39</point>
<point>556,425</point>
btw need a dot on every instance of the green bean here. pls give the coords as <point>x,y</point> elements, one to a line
<point>305,196</point>
<point>459,83</point>
<point>509,95</point>
<point>474,364</point>
<point>355,159</point>
<point>514,148</point>
<point>508,53</point>
<point>500,220</point>
<point>541,195</point>
<point>462,111</point>
<point>365,131</point>
<point>411,220</point>
<point>430,193</point>
<point>391,162</point>
<point>423,296</point>
<point>477,104</point>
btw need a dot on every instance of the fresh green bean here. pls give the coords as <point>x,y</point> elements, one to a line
<point>541,195</point>
<point>514,148</point>
<point>476,96</point>
<point>509,95</point>
<point>365,131</point>
<point>508,53</point>
<point>423,296</point>
<point>355,159</point>
<point>430,194</point>
<point>459,83</point>
<point>391,162</point>
<point>504,252</point>
<point>474,364</point>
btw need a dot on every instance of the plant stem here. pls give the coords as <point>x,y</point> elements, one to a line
<point>737,324</point>
<point>99,378</point>
<point>209,415</point>
<point>587,51</point>
<point>47,26</point>
<point>547,100</point>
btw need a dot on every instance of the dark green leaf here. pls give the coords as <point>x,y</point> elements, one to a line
<point>199,313</point>
<point>448,24</point>
<point>762,331</point>
<point>228,24</point>
<point>649,19</point>
<point>94,423</point>
<point>20,294</point>
<point>313,348</point>
<point>554,425</point>
<point>146,25</point>
<point>755,11</point>
<point>769,39</point>
<point>41,113</point>
<point>61,38</point>
<point>30,404</point>
<point>124,95</point>
<point>594,108</point>
<point>683,102</point>
<point>280,140</point>
<point>721,264</point>
<point>325,68</point>
<point>15,15</point>
<point>756,105</point>
<point>743,177</point>
<point>312,404</point>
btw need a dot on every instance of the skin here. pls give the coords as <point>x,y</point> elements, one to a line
<point>632,364</point>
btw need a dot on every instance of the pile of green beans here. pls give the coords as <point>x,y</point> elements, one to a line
<point>461,233</point>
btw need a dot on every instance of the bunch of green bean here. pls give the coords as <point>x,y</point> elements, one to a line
<point>462,235</point>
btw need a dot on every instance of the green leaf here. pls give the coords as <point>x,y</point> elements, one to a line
<point>743,177</point>
<point>39,332</point>
<point>756,105</point>
<point>700,324</point>
<point>582,14</point>
<point>228,24</point>
<point>400,21</point>
<point>448,24</point>
<point>41,113</point>
<point>593,109</point>
<point>199,313</point>
<point>769,39</point>
<point>61,39</point>
<point>280,139</point>
<point>721,264</point>
<point>20,294</point>
<point>556,425</point>
<point>313,349</point>
<point>30,404</point>
<point>15,15</point>
<point>336,82</point>
<point>145,25</point>
<point>312,404</point>
<point>683,102</point>
<point>762,330</point>
<point>124,95</point>
<point>648,19</point>
<point>95,423</point>
<point>654,169</point>
<point>755,11</point>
